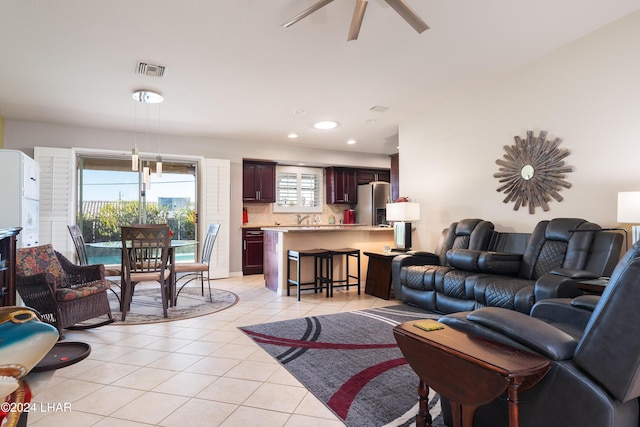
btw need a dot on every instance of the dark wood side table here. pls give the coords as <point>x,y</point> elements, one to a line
<point>594,286</point>
<point>378,281</point>
<point>467,370</point>
<point>8,265</point>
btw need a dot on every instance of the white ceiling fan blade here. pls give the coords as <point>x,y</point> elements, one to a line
<point>356,21</point>
<point>408,14</point>
<point>307,12</point>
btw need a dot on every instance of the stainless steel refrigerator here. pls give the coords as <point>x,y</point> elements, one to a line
<point>371,208</point>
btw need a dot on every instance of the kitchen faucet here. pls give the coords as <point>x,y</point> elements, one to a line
<point>301,218</point>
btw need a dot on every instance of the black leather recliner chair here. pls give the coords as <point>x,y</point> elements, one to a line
<point>473,233</point>
<point>595,374</point>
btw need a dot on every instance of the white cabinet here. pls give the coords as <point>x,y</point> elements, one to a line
<point>19,195</point>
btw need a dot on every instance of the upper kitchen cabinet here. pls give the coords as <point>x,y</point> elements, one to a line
<point>258,181</point>
<point>366,176</point>
<point>341,185</point>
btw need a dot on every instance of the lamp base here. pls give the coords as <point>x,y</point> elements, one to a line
<point>402,236</point>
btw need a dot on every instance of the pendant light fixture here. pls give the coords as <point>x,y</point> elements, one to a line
<point>134,158</point>
<point>146,97</point>
<point>146,174</point>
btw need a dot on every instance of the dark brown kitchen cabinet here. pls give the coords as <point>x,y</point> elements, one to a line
<point>258,182</point>
<point>366,176</point>
<point>252,251</point>
<point>341,185</point>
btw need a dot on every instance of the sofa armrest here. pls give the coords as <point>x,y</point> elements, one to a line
<point>531,332</point>
<point>500,262</point>
<point>586,302</point>
<point>460,322</point>
<point>424,258</point>
<point>411,258</point>
<point>574,273</point>
<point>569,314</point>
<point>504,263</point>
<point>553,285</point>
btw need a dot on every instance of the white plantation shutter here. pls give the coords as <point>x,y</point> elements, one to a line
<point>216,190</point>
<point>287,189</point>
<point>298,189</point>
<point>57,197</point>
<point>309,190</point>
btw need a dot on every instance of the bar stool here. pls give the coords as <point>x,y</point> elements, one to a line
<point>321,270</point>
<point>348,253</point>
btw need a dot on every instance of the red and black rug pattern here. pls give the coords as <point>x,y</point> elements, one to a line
<point>351,362</point>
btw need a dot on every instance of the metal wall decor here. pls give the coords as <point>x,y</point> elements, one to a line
<point>532,172</point>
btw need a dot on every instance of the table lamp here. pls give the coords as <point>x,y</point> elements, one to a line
<point>402,214</point>
<point>629,211</point>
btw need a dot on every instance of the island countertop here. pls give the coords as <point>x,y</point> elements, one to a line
<point>278,240</point>
<point>322,227</point>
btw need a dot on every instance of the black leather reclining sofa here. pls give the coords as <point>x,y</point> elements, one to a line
<point>475,266</point>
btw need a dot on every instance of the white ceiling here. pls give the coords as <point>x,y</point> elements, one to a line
<point>234,73</point>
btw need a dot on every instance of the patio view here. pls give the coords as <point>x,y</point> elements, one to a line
<point>111,195</point>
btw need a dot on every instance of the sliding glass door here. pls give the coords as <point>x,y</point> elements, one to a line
<point>111,195</point>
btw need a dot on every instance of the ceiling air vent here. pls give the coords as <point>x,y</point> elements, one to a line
<point>378,109</point>
<point>151,70</point>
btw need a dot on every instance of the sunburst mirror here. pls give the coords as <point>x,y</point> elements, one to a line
<point>532,172</point>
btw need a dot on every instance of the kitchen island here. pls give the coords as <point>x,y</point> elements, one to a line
<point>279,239</point>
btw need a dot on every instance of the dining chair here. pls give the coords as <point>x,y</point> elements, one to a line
<point>146,258</point>
<point>197,269</point>
<point>83,259</point>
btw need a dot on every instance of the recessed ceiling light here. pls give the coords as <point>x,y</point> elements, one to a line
<point>351,141</point>
<point>300,112</point>
<point>370,121</point>
<point>292,135</point>
<point>325,125</point>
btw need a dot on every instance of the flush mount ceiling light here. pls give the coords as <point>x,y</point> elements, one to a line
<point>292,136</point>
<point>325,125</point>
<point>351,141</point>
<point>147,96</point>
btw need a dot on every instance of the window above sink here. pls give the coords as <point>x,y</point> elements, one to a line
<point>298,190</point>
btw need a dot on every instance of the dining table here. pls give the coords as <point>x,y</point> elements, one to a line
<point>117,244</point>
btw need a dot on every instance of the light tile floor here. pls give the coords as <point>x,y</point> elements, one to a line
<point>194,372</point>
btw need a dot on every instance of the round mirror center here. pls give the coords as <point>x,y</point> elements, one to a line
<point>527,172</point>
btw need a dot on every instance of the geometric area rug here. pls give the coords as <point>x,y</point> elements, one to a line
<point>351,362</point>
<point>146,304</point>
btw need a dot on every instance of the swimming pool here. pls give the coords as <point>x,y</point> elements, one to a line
<point>111,252</point>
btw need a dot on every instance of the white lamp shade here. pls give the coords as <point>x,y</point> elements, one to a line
<point>403,211</point>
<point>629,207</point>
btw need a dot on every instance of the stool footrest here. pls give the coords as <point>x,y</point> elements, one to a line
<point>321,267</point>
<point>345,282</point>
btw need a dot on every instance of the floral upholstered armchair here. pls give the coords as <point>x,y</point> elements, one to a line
<point>63,293</point>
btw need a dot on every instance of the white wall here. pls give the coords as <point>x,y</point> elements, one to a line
<point>24,135</point>
<point>587,93</point>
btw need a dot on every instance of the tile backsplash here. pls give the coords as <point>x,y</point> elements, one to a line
<point>261,214</point>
